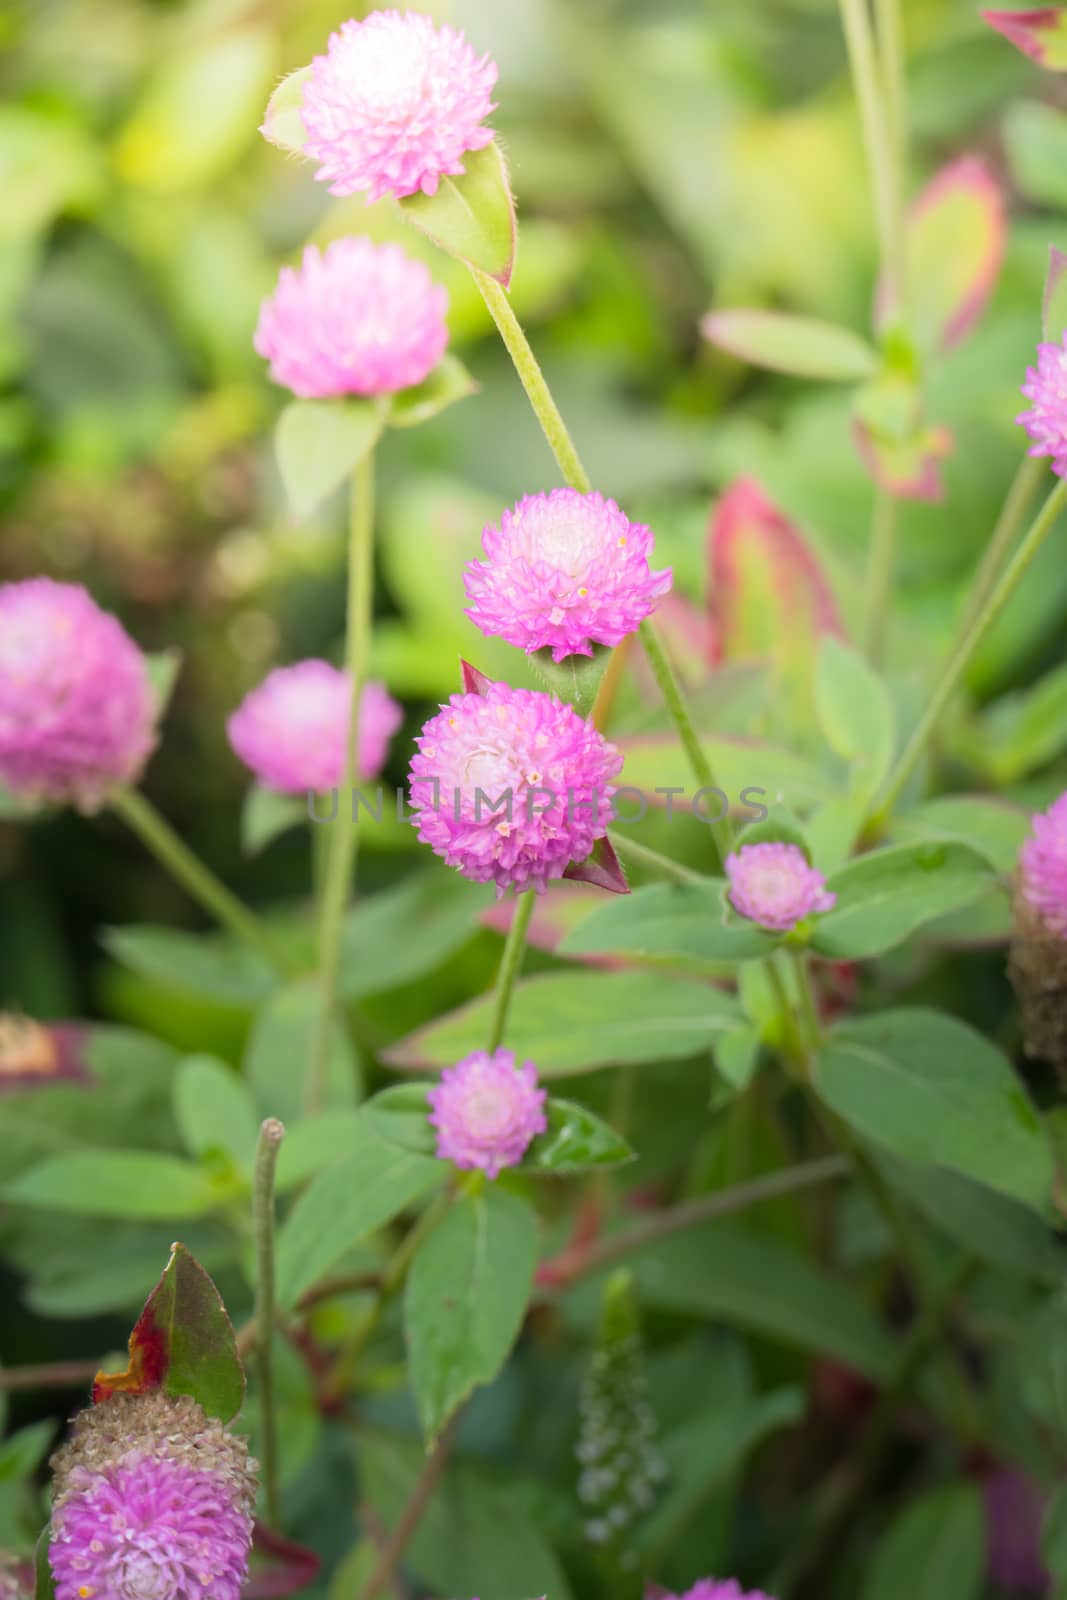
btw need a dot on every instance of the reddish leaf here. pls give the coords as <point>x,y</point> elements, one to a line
<point>34,1055</point>
<point>768,594</point>
<point>908,468</point>
<point>601,869</point>
<point>182,1343</point>
<point>279,1567</point>
<point>1040,33</point>
<point>474,682</point>
<point>956,236</point>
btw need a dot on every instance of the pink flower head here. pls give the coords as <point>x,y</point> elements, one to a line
<point>292,731</point>
<point>152,1501</point>
<point>772,884</point>
<point>486,1111</point>
<point>393,105</point>
<point>1046,421</point>
<point>564,571</point>
<point>511,786</point>
<point>77,712</point>
<point>357,318</point>
<point>1043,866</point>
<point>714,1589</point>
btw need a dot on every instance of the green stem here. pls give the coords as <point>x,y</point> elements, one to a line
<point>160,838</point>
<point>574,474</point>
<point>422,1491</point>
<point>1017,503</point>
<point>877,139</point>
<point>659,866</point>
<point>510,964</point>
<point>271,1135</point>
<point>341,860</point>
<point>879,581</point>
<point>894,88</point>
<point>972,634</point>
<point>808,1009</point>
<point>795,1051</point>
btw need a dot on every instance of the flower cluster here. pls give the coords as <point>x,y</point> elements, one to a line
<point>564,571</point>
<point>772,884</point>
<point>486,1111</point>
<point>151,1499</point>
<point>1046,420</point>
<point>1043,868</point>
<point>719,1589</point>
<point>292,731</point>
<point>394,105</point>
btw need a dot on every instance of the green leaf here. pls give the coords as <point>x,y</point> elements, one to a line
<point>571,1022</point>
<point>315,1143</point>
<point>1035,141</point>
<point>44,1583</point>
<point>995,828</point>
<point>265,815</point>
<point>116,1183</point>
<point>665,921</point>
<point>932,1090</point>
<point>934,1548</point>
<point>475,1535</point>
<point>737,1056</point>
<point>779,826</point>
<point>576,679</point>
<point>1054,1537</point>
<point>447,383</point>
<point>885,896</point>
<point>278,1050</point>
<point>183,1343</point>
<point>1039,1371</point>
<point>318,443</point>
<point>201,964</point>
<point>398,936</point>
<point>214,1110</point>
<point>803,346</point>
<point>466,1297</point>
<point>656,762</point>
<point>471,217</point>
<point>854,712</point>
<point>576,1141</point>
<point>283,124</point>
<point>361,1192</point>
<point>1020,732</point>
<point>401,1114</point>
<point>163,669</point>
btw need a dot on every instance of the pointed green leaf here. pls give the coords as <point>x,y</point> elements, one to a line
<point>883,897</point>
<point>283,124</point>
<point>163,668</point>
<point>214,1111</point>
<point>665,921</point>
<point>803,346</point>
<point>934,1548</point>
<point>855,712</point>
<point>278,1051</point>
<point>44,1583</point>
<point>737,1056</point>
<point>401,1114</point>
<point>448,382</point>
<point>472,217</point>
<point>575,679</point>
<point>466,1297</point>
<point>265,815</point>
<point>575,1141</point>
<point>318,443</point>
<point>116,1183</point>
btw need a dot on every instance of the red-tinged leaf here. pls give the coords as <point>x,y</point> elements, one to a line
<point>1040,33</point>
<point>34,1054</point>
<point>182,1343</point>
<point>956,235</point>
<point>768,594</point>
<point>474,682</point>
<point>278,1567</point>
<point>909,468</point>
<point>601,868</point>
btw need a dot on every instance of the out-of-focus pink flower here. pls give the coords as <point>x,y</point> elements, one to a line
<point>77,712</point>
<point>1040,33</point>
<point>1046,420</point>
<point>511,786</point>
<point>292,731</point>
<point>486,1111</point>
<point>772,884</point>
<point>151,1498</point>
<point>357,318</point>
<point>564,571</point>
<point>394,104</point>
<point>1015,1509</point>
<point>719,1589</point>
<point>1043,867</point>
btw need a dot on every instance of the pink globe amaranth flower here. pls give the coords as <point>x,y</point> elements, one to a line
<point>1046,420</point>
<point>394,104</point>
<point>292,731</point>
<point>486,1111</point>
<point>357,318</point>
<point>565,571</point>
<point>772,884</point>
<point>152,1500</point>
<point>510,786</point>
<point>77,711</point>
<point>1043,867</point>
<point>720,1589</point>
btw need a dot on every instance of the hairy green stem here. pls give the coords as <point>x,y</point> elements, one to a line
<point>1032,470</point>
<point>271,1134</point>
<point>160,838</point>
<point>341,859</point>
<point>673,699</point>
<point>878,142</point>
<point>894,90</point>
<point>971,636</point>
<point>639,855</point>
<point>510,965</point>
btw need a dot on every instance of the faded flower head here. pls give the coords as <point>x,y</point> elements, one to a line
<point>1043,867</point>
<point>772,884</point>
<point>512,786</point>
<point>34,1055</point>
<point>720,1589</point>
<point>292,731</point>
<point>486,1111</point>
<point>1015,1508</point>
<point>77,712</point>
<point>564,571</point>
<point>152,1500</point>
<point>394,104</point>
<point>1046,420</point>
<point>357,318</point>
